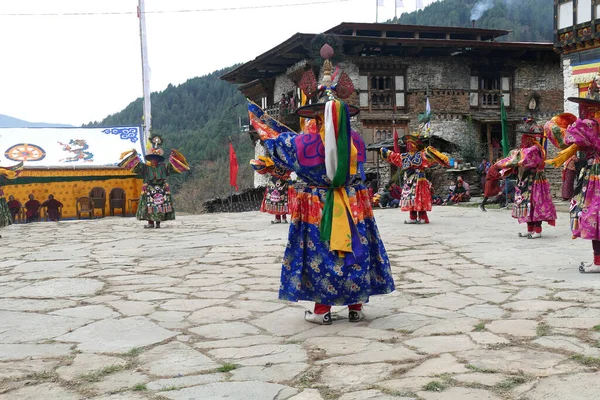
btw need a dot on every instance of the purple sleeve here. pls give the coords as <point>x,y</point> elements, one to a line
<point>531,157</point>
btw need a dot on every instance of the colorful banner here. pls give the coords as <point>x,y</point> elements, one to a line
<point>583,73</point>
<point>67,147</point>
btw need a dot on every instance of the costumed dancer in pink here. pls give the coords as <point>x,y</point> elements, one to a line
<point>533,202</point>
<point>582,135</point>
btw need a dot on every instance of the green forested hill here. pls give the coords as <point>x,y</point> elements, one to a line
<point>196,117</point>
<point>529,20</point>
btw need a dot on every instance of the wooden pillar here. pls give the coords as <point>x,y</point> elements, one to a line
<point>489,143</point>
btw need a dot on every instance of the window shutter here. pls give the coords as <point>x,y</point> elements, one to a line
<point>363,82</point>
<point>363,98</point>
<point>399,99</point>
<point>399,83</point>
<point>473,99</point>
<point>474,83</point>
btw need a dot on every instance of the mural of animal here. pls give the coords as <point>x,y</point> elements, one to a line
<point>78,147</point>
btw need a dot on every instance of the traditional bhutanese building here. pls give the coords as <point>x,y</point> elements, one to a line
<point>577,39</point>
<point>69,162</point>
<point>396,70</point>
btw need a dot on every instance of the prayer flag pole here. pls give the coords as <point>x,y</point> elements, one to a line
<point>147,123</point>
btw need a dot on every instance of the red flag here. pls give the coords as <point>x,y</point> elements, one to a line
<point>233,167</point>
<point>396,145</point>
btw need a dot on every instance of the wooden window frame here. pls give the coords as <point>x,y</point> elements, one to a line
<point>389,91</point>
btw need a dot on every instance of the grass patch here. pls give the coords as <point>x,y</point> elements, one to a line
<point>434,386</point>
<point>397,393</point>
<point>511,382</point>
<point>475,368</point>
<point>169,388</point>
<point>43,376</point>
<point>227,367</point>
<point>596,328</point>
<point>479,327</point>
<point>542,329</point>
<point>136,351</point>
<point>96,376</point>
<point>587,360</point>
<point>140,387</point>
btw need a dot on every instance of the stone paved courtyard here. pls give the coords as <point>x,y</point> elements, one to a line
<point>106,310</point>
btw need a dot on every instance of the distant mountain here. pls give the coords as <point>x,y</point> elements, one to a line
<point>10,122</point>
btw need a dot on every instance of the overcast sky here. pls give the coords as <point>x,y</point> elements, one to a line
<point>75,69</point>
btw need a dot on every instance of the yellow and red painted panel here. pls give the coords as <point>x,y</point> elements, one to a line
<point>68,185</point>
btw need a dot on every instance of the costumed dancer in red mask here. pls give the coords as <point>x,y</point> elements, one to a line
<point>416,189</point>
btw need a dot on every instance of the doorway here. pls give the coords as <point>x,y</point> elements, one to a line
<point>491,138</point>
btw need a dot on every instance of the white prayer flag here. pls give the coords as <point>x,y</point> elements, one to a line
<point>427,111</point>
<point>380,3</point>
<point>399,4</point>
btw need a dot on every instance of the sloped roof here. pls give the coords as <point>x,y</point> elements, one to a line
<point>67,147</point>
<point>364,39</point>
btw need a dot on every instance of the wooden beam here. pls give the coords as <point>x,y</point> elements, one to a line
<point>279,61</point>
<point>293,55</point>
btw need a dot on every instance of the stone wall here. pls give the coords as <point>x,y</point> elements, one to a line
<point>545,80</point>
<point>569,89</point>
<point>283,84</point>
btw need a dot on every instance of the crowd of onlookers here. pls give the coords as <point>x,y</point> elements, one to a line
<point>32,208</point>
<point>495,188</point>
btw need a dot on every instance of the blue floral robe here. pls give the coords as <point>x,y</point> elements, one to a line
<point>310,270</point>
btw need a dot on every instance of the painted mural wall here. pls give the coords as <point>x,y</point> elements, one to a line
<point>69,162</point>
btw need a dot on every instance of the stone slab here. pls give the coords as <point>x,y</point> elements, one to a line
<point>117,335</point>
<point>33,351</point>
<point>20,327</point>
<point>459,393</point>
<point>90,312</point>
<point>233,391</point>
<point>441,344</point>
<point>511,359</point>
<point>277,373</point>
<point>354,377</point>
<point>514,327</point>
<point>44,391</point>
<point>175,358</point>
<point>226,330</point>
<point>371,395</point>
<point>184,381</point>
<point>57,288</point>
<point>578,386</point>
<point>444,364</point>
<point>262,354</point>
<point>86,363</point>
<point>122,380</point>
